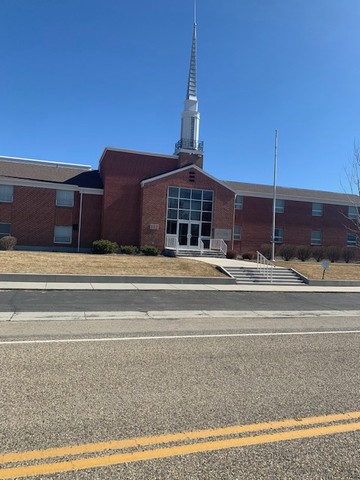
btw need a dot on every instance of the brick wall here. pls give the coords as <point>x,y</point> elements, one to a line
<point>297,223</point>
<point>122,173</point>
<point>154,197</point>
<point>33,215</point>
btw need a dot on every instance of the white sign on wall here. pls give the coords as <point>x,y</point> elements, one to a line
<point>223,233</point>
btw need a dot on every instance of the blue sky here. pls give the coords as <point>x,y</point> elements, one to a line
<point>80,75</point>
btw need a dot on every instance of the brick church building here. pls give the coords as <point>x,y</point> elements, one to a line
<point>141,198</point>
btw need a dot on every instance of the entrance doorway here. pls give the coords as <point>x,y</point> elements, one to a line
<point>188,234</point>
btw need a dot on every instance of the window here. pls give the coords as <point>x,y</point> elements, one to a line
<point>63,234</point>
<point>238,202</point>
<point>4,229</point>
<point>353,213</point>
<point>64,198</point>
<point>6,193</point>
<point>317,209</point>
<point>279,206</point>
<point>351,240</point>
<point>237,232</point>
<point>316,237</point>
<point>190,206</point>
<point>279,235</point>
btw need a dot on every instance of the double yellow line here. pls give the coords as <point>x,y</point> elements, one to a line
<point>291,429</point>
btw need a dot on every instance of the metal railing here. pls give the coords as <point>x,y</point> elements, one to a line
<point>218,244</point>
<point>264,266</point>
<point>171,241</point>
<point>189,144</point>
<point>201,246</point>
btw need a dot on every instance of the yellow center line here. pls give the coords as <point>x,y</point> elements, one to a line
<point>171,438</point>
<point>96,462</point>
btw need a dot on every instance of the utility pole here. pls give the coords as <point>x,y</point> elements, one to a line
<point>274,200</point>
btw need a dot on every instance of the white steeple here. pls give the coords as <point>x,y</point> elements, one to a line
<point>190,118</point>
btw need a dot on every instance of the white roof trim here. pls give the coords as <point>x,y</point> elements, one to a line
<point>138,152</point>
<point>187,167</point>
<point>45,162</point>
<point>295,198</point>
<point>50,185</point>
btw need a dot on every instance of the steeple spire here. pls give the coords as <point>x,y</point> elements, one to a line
<point>190,118</point>
<point>191,90</point>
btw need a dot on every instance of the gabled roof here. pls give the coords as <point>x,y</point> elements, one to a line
<point>182,169</point>
<point>296,194</point>
<point>43,171</point>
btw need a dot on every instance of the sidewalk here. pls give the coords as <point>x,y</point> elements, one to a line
<point>142,283</point>
<point>93,286</point>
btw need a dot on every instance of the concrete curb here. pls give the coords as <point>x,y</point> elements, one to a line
<point>58,278</point>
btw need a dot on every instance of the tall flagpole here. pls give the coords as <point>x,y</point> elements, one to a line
<point>274,200</point>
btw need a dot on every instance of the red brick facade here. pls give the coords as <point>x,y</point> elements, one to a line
<point>297,223</point>
<point>154,204</point>
<point>126,202</point>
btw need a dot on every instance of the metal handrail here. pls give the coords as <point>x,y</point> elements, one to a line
<point>218,244</point>
<point>264,266</point>
<point>171,241</point>
<point>201,246</point>
<point>189,144</point>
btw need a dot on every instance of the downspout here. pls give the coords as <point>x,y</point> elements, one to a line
<point>80,220</point>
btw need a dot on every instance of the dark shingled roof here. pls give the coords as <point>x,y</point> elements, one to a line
<point>252,189</point>
<point>81,176</point>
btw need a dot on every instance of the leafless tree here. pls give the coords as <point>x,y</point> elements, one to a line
<point>353,183</point>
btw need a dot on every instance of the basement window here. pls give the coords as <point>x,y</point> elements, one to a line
<point>237,232</point>
<point>279,235</point>
<point>63,234</point>
<point>316,237</point>
<point>351,240</point>
<point>5,229</point>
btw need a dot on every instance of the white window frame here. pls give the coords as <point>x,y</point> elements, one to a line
<point>279,235</point>
<point>6,193</point>
<point>316,241</point>
<point>279,205</point>
<point>63,234</point>
<point>351,242</point>
<point>4,233</point>
<point>239,202</point>
<point>353,212</point>
<point>65,198</point>
<point>237,232</point>
<point>317,209</point>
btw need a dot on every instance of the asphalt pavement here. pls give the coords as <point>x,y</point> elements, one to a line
<point>282,406</point>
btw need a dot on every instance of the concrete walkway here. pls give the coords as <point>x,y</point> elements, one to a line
<point>196,286</point>
<point>172,286</point>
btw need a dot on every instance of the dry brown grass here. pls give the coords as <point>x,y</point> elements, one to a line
<point>88,264</point>
<point>313,270</point>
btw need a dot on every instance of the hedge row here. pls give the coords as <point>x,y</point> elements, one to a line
<point>304,252</point>
<point>104,247</point>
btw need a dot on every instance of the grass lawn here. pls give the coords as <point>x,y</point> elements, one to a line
<point>89,264</point>
<point>313,270</point>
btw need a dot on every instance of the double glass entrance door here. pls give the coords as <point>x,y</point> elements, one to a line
<point>188,234</point>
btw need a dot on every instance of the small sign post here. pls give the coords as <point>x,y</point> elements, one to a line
<point>325,265</point>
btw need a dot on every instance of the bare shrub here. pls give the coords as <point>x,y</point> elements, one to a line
<point>8,242</point>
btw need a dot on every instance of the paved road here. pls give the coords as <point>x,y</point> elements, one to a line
<point>28,301</point>
<point>58,395</point>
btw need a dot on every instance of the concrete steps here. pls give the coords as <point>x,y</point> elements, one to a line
<point>249,275</point>
<point>197,253</point>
